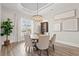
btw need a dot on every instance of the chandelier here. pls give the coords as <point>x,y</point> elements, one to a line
<point>37,17</point>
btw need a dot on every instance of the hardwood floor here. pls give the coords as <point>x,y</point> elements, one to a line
<point>19,49</point>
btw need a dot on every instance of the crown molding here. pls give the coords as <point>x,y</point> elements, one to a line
<point>31,11</point>
<point>19,7</point>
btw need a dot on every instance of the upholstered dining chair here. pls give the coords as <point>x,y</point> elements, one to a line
<point>52,41</point>
<point>28,44</point>
<point>43,43</point>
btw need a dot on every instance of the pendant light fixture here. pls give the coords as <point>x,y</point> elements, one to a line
<point>37,17</point>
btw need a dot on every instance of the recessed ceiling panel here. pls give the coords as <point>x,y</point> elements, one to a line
<point>33,6</point>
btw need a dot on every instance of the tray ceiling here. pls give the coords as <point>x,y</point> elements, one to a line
<point>33,6</point>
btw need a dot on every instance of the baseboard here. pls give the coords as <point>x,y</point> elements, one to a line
<point>68,43</point>
<point>18,42</point>
<point>13,42</point>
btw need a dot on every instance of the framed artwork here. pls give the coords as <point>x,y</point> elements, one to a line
<point>44,27</point>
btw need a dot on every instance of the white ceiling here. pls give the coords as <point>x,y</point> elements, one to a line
<point>33,6</point>
<point>30,8</point>
<point>45,9</point>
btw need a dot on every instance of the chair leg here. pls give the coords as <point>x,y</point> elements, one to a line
<point>53,47</point>
<point>40,52</point>
<point>47,52</point>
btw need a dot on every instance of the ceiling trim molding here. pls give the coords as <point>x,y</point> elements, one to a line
<point>24,9</point>
<point>44,7</point>
<point>34,12</point>
<point>19,7</point>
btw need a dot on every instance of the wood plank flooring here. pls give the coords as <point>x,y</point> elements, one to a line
<point>19,49</point>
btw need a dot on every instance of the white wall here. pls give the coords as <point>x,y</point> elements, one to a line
<point>70,38</point>
<point>6,13</point>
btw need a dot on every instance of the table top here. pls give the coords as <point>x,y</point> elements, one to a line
<point>34,36</point>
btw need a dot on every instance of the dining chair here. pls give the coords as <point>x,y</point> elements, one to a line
<point>43,43</point>
<point>28,44</point>
<point>52,41</point>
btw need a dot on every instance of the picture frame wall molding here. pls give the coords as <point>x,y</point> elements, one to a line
<point>57,27</point>
<point>70,25</point>
<point>66,15</point>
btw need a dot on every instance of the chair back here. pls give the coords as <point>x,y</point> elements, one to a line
<point>53,38</point>
<point>28,41</point>
<point>43,42</point>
